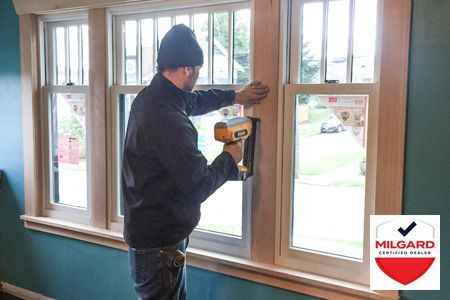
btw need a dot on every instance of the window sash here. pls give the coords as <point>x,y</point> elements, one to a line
<point>79,215</point>
<point>327,265</point>
<point>116,221</point>
<point>50,45</point>
<point>296,40</point>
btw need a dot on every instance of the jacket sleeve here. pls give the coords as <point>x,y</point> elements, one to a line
<point>210,100</point>
<point>176,147</point>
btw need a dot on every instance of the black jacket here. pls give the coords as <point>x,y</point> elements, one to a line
<point>165,177</point>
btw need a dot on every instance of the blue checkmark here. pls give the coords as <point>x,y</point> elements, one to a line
<point>405,232</point>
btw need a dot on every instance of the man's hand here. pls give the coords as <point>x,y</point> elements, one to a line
<point>235,149</point>
<point>251,94</point>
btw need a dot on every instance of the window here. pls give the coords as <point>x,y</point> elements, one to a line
<point>330,137</point>
<point>223,33</point>
<point>66,98</point>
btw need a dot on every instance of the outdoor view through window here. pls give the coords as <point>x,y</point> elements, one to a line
<point>337,41</point>
<point>67,49</point>
<point>68,135</point>
<point>329,178</point>
<point>224,36</point>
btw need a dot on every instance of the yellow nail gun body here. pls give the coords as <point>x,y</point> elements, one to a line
<point>235,129</point>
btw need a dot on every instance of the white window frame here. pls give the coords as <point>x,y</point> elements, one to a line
<point>202,239</point>
<point>50,69</point>
<point>49,87</point>
<point>65,212</point>
<point>310,261</point>
<point>335,266</point>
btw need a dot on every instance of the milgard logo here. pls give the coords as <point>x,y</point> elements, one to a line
<point>404,252</point>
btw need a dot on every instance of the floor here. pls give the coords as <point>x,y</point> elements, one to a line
<point>4,296</point>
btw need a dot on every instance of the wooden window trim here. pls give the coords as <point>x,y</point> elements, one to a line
<point>268,45</point>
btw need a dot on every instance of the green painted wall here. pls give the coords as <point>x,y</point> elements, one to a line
<point>69,269</point>
<point>427,172</point>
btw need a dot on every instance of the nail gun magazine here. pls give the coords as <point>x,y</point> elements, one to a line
<point>235,129</point>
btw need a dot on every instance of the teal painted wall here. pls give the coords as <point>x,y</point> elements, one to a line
<point>427,172</point>
<point>69,269</point>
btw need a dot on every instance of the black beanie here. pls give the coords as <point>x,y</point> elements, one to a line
<point>179,48</point>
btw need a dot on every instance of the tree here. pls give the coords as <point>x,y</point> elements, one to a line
<point>309,70</point>
<point>310,66</point>
<point>241,39</point>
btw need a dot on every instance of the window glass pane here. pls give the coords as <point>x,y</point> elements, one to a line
<point>241,53</point>
<point>183,19</point>
<point>329,174</point>
<point>70,55</point>
<point>74,55</point>
<point>337,43</point>
<point>220,48</point>
<point>222,211</point>
<point>201,32</point>
<point>85,53</point>
<point>68,148</point>
<point>164,25</point>
<point>224,61</point>
<point>147,50</point>
<point>124,107</point>
<point>311,43</point>
<point>364,40</point>
<point>131,66</point>
<point>60,36</point>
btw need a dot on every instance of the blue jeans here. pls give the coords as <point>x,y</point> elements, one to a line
<point>159,273</point>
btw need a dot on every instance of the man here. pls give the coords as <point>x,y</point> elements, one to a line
<point>165,177</point>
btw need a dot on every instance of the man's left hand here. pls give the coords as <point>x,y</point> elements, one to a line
<point>251,94</point>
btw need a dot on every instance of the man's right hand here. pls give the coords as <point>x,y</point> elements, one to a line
<point>235,149</point>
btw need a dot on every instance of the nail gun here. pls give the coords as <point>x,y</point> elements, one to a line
<point>235,129</point>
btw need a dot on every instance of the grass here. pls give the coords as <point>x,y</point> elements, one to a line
<point>339,243</point>
<point>318,115</point>
<point>329,163</point>
<point>73,167</point>
<point>310,129</point>
<point>225,229</point>
<point>315,119</point>
<point>348,243</point>
<point>348,183</point>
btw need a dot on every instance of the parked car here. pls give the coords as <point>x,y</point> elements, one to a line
<point>332,125</point>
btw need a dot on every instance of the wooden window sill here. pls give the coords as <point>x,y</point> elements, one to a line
<point>77,231</point>
<point>268,274</point>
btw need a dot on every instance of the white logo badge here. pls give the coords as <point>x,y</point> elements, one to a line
<point>404,252</point>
